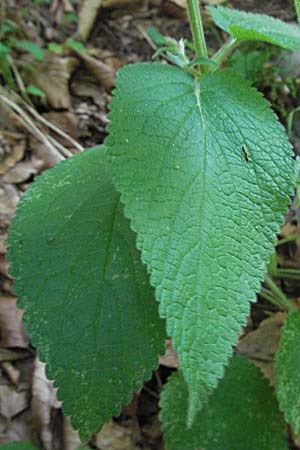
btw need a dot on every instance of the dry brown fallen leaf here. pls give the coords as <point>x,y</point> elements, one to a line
<point>12,373</point>
<point>12,402</point>
<point>12,333</point>
<point>12,148</point>
<point>170,358</point>
<point>14,414</point>
<point>87,13</point>
<point>65,121</point>
<point>261,344</point>
<point>71,437</point>
<point>102,72</point>
<point>16,430</point>
<point>20,172</point>
<point>66,4</point>
<point>3,243</point>
<point>52,76</point>
<point>40,155</point>
<point>175,8</point>
<point>115,437</point>
<point>4,266</point>
<point>83,84</point>
<point>13,354</point>
<point>43,404</point>
<point>9,199</point>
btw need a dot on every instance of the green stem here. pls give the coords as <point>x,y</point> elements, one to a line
<point>225,51</point>
<point>267,296</point>
<point>293,237</point>
<point>197,28</point>
<point>278,292</point>
<point>297,8</point>
<point>288,274</point>
<point>291,118</point>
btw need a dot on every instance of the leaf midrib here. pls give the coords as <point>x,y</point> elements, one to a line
<point>204,146</point>
<point>101,286</point>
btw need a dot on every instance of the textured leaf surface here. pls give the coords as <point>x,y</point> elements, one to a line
<point>243,25</point>
<point>200,172</point>
<point>89,306</point>
<point>287,369</point>
<point>242,413</point>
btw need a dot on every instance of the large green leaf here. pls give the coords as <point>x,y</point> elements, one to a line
<point>18,446</point>
<point>89,306</point>
<point>243,25</point>
<point>287,369</point>
<point>205,171</point>
<point>242,413</point>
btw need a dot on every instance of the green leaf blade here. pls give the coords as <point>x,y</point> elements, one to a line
<point>287,381</point>
<point>241,413</point>
<point>250,26</point>
<point>18,446</point>
<point>33,90</point>
<point>205,217</point>
<point>32,48</point>
<point>89,307</point>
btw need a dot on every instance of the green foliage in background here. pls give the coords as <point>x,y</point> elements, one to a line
<point>287,373</point>
<point>18,446</point>
<point>241,413</point>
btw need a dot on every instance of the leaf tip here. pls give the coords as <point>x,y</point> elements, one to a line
<point>197,399</point>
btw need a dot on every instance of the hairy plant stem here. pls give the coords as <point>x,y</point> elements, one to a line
<point>297,8</point>
<point>225,51</point>
<point>197,28</point>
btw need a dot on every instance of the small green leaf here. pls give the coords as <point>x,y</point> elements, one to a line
<point>6,71</point>
<point>76,45</point>
<point>242,413</point>
<point>249,64</point>
<point>42,2</point>
<point>297,172</point>
<point>4,49</point>
<point>8,28</point>
<point>32,48</point>
<point>33,90</point>
<point>199,165</point>
<point>243,25</point>
<point>287,371</point>
<point>18,446</point>
<point>55,48</point>
<point>156,36</point>
<point>202,61</point>
<point>70,17</point>
<point>89,306</point>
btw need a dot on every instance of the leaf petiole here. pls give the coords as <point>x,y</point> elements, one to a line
<point>225,51</point>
